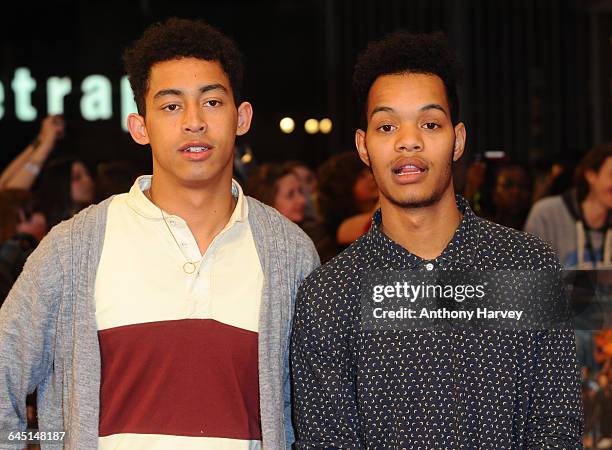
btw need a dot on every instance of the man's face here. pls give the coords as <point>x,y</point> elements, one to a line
<point>289,199</point>
<point>600,183</point>
<point>191,122</point>
<point>307,178</point>
<point>82,187</point>
<point>410,141</point>
<point>512,190</point>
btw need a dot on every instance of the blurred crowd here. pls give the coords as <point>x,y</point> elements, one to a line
<point>566,203</point>
<point>569,205</point>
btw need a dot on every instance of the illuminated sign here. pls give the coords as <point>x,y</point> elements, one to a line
<point>96,100</point>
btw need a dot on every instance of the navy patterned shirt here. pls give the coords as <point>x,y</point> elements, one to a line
<point>430,389</point>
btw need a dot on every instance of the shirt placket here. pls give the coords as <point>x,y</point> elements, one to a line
<point>198,284</point>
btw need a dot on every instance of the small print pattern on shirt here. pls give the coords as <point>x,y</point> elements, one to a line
<point>427,389</point>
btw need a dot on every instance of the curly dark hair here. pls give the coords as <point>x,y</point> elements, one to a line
<point>180,38</point>
<point>337,177</point>
<point>402,52</point>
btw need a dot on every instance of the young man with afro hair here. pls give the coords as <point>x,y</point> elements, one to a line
<point>160,318</point>
<point>363,379</point>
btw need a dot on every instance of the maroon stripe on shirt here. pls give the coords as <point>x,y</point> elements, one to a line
<point>181,377</point>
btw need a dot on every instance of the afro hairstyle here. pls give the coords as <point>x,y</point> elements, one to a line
<point>175,39</point>
<point>404,53</point>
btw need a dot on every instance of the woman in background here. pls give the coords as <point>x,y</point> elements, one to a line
<point>22,226</point>
<point>23,170</point>
<point>348,196</point>
<point>64,188</point>
<point>277,185</point>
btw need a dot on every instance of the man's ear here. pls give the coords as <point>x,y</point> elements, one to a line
<point>138,129</point>
<point>459,146</point>
<point>245,115</point>
<point>360,143</point>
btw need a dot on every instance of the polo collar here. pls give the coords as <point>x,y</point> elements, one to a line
<point>141,204</point>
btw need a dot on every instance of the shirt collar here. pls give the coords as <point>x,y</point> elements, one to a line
<point>461,248</point>
<point>141,204</point>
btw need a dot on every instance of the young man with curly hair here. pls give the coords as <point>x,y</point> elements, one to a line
<point>424,386</point>
<point>160,318</point>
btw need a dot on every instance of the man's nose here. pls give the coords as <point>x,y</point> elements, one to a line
<point>194,120</point>
<point>409,139</point>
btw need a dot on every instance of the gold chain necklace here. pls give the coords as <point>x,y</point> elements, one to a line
<point>190,266</point>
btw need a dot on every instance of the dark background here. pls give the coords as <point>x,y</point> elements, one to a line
<point>537,82</point>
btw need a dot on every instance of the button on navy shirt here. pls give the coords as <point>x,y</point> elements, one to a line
<point>430,389</point>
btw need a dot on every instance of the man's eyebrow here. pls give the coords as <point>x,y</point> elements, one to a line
<point>434,106</point>
<point>212,87</point>
<point>166,92</point>
<point>423,109</point>
<point>178,92</point>
<point>381,109</point>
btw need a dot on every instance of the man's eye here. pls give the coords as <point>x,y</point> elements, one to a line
<point>431,125</point>
<point>386,128</point>
<point>171,107</point>
<point>213,103</point>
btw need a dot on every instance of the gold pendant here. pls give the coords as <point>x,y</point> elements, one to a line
<point>189,267</point>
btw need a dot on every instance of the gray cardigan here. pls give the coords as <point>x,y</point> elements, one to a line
<point>49,341</point>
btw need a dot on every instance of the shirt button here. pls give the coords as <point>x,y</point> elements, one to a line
<point>429,266</point>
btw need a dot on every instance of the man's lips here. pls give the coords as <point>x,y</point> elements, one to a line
<point>409,166</point>
<point>195,147</point>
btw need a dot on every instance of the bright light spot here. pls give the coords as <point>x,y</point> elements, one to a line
<point>325,126</point>
<point>311,126</point>
<point>287,125</point>
<point>247,158</point>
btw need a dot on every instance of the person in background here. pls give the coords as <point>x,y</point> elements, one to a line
<point>277,185</point>
<point>310,185</point>
<point>475,179</point>
<point>552,176</point>
<point>65,187</point>
<point>22,172</point>
<point>115,177</point>
<point>578,224</point>
<point>306,176</point>
<point>347,197</point>
<point>22,226</point>
<point>499,190</point>
<point>512,195</point>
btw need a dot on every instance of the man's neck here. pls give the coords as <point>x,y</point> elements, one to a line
<point>424,232</point>
<point>205,208</point>
<point>595,214</point>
